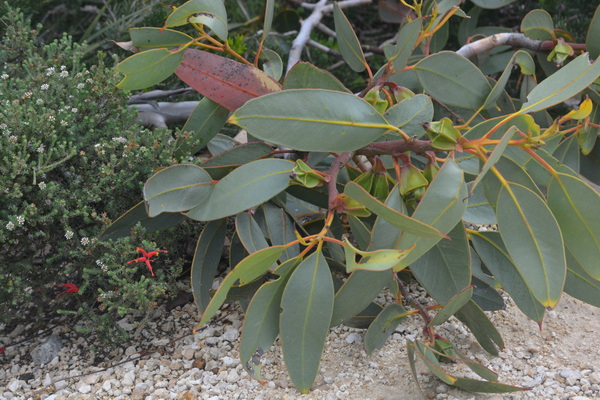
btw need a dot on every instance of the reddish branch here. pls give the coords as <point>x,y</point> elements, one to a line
<point>396,146</point>
<point>333,173</point>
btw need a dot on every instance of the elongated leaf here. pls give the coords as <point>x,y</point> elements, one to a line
<point>268,20</point>
<point>453,305</point>
<point>445,270</point>
<point>493,253</point>
<point>482,328</point>
<point>280,229</point>
<point>360,231</point>
<point>238,155</point>
<point>347,41</point>
<point>385,235</point>
<point>365,318</point>
<point>494,157</point>
<point>261,322</point>
<point>473,385</point>
<point>409,114</point>
<point>383,326</point>
<point>205,12</point>
<point>492,4</point>
<point>479,210</point>
<point>400,221</point>
<point>358,291</point>
<point>486,297</point>
<point>442,206</point>
<point>580,284</point>
<point>152,38</point>
<point>249,232</point>
<point>591,41</point>
<point>405,43</point>
<point>123,225</point>
<point>571,200</point>
<point>511,171</point>
<point>326,121</point>
<point>565,83</point>
<point>224,81</point>
<point>148,68</point>
<point>304,75</point>
<point>532,238</point>
<point>498,88</point>
<point>177,188</point>
<point>307,304</point>
<point>204,123</point>
<point>250,268</point>
<point>453,80</point>
<point>245,187</point>
<point>206,260</point>
<point>378,260</point>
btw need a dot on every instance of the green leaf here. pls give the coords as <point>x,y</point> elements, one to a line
<point>452,307</point>
<point>261,322</point>
<point>571,201</point>
<point>405,43</point>
<point>383,326</point>
<point>280,228</point>
<point>498,88</point>
<point>204,123</point>
<point>268,20</point>
<point>592,44</point>
<point>304,75</point>
<point>511,171</point>
<point>177,188</point>
<point>494,157</point>
<point>493,253</point>
<point>482,328</point>
<point>228,160</point>
<point>473,385</point>
<point>445,269</point>
<point>533,239</point>
<point>453,80</point>
<point>347,41</point>
<point>442,207</point>
<point>245,187</point>
<point>567,153</point>
<point>479,210</point>
<point>358,291</point>
<point>250,268</point>
<point>486,297</point>
<point>365,318</point>
<point>385,235</point>
<point>152,38</point>
<point>580,284</point>
<point>328,121</point>
<point>249,232</point>
<point>272,63</point>
<point>148,68</point>
<point>409,114</point>
<point>206,260</point>
<point>588,135</point>
<point>562,85</point>
<point>492,4</point>
<point>205,12</point>
<point>360,231</point>
<point>123,225</point>
<point>378,260</point>
<point>306,308</point>
<point>400,221</point>
<point>538,25</point>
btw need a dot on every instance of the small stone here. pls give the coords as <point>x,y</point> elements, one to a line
<point>230,362</point>
<point>594,378</point>
<point>176,365</point>
<point>45,352</point>
<point>232,377</point>
<point>130,351</point>
<point>128,378</point>
<point>106,385</point>
<point>15,385</point>
<point>353,338</point>
<point>84,388</point>
<point>188,354</point>
<point>231,335</point>
<point>580,398</point>
<point>125,325</point>
<point>441,389</point>
<point>566,373</point>
<point>167,326</point>
<point>199,363</point>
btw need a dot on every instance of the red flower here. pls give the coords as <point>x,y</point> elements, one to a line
<point>146,257</point>
<point>2,349</point>
<point>71,288</point>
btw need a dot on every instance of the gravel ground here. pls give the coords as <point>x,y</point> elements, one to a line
<point>561,361</point>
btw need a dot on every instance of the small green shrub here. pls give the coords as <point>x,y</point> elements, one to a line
<point>73,158</point>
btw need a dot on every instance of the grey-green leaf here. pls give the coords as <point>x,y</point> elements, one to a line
<point>347,41</point>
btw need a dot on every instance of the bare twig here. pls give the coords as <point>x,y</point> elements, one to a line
<point>157,94</point>
<point>319,10</point>
<point>163,114</point>
<point>510,39</point>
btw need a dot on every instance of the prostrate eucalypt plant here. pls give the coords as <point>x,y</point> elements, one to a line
<point>389,184</point>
